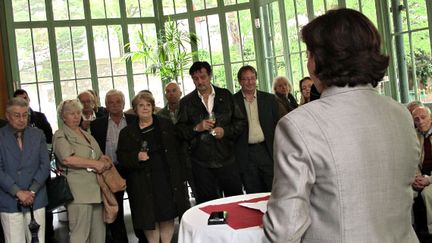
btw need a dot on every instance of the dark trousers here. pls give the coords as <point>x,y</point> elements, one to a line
<point>258,173</point>
<point>116,231</point>
<point>49,226</point>
<point>210,183</point>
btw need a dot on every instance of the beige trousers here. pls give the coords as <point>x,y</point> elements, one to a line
<point>15,226</point>
<point>86,223</point>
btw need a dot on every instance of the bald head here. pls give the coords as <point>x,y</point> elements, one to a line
<point>172,93</point>
<point>422,118</point>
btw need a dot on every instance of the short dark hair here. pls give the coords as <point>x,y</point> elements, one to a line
<point>346,48</point>
<point>244,69</point>
<point>196,66</point>
<point>19,92</point>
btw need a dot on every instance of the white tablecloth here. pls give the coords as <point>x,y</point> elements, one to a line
<point>194,228</point>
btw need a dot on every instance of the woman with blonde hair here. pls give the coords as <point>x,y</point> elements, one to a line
<point>80,158</point>
<point>282,90</point>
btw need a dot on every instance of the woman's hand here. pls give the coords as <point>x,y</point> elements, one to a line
<point>103,164</point>
<point>143,156</point>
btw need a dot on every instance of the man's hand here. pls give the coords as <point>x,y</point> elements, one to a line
<point>218,132</point>
<point>25,198</point>
<point>85,125</point>
<point>421,182</point>
<point>205,125</point>
<point>143,156</point>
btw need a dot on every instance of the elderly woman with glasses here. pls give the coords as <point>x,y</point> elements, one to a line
<point>80,157</point>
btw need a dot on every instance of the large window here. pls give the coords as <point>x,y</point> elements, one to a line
<point>59,48</point>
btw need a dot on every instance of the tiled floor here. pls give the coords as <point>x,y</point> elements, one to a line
<point>61,228</point>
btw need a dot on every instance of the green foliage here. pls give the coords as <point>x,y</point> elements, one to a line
<point>171,57</point>
<point>423,65</point>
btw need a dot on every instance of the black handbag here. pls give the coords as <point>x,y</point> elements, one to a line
<point>59,193</point>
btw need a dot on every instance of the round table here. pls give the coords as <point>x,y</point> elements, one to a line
<point>194,228</point>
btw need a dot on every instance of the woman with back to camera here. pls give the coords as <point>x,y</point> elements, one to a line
<point>80,158</point>
<point>147,149</point>
<point>344,163</point>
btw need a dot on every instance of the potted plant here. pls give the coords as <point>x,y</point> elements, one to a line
<point>170,57</point>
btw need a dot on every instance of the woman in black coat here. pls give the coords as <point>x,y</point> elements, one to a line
<point>148,150</point>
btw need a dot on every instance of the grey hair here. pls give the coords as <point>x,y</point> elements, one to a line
<point>87,92</point>
<point>16,101</point>
<point>68,105</point>
<point>286,81</point>
<point>113,92</point>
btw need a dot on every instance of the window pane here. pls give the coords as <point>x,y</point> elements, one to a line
<point>246,27</point>
<point>25,55</point>
<point>76,9</point>
<point>97,9</point>
<point>219,76</point>
<point>137,8</point>
<point>235,42</point>
<point>418,15</point>
<point>117,49</point>
<point>68,89</point>
<point>150,38</point>
<point>211,4</point>
<point>120,83</point>
<point>156,88</point>
<point>206,27</point>
<point>64,52</point>
<point>47,103</point>
<point>168,7</point>
<point>61,9</point>
<point>101,51</point>
<point>83,84</point>
<point>198,4</point>
<point>112,8</point>
<point>180,6</point>
<point>79,39</point>
<point>42,54</point>
<point>140,83</point>
<point>20,10</point>
<point>37,9</point>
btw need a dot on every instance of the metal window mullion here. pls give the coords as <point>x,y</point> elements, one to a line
<point>412,56</point>
<point>272,35</point>
<point>360,6</point>
<point>174,6</point>
<point>285,40</point>
<point>208,38</point>
<point>382,12</point>
<point>240,34</point>
<point>325,5</point>
<point>299,39</point>
<point>225,48</point>
<point>90,45</point>
<point>109,54</point>
<point>429,15</point>
<point>53,53</point>
<point>126,39</point>
<point>72,47</point>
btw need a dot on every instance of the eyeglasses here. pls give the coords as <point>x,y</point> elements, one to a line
<point>248,79</point>
<point>17,116</point>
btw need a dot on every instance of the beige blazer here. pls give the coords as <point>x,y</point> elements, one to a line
<point>344,165</point>
<point>83,184</point>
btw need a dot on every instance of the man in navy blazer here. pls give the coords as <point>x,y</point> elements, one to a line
<point>24,168</point>
<point>106,130</point>
<point>254,147</point>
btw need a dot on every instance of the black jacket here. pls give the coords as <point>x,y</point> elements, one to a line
<point>39,120</point>
<point>205,149</point>
<point>99,128</point>
<point>268,115</point>
<point>139,190</point>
